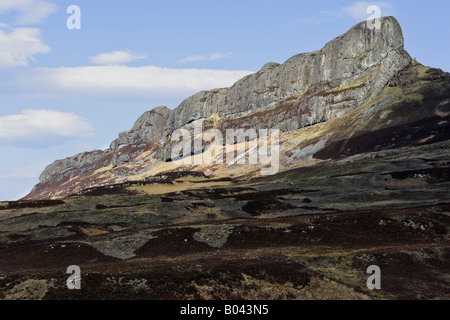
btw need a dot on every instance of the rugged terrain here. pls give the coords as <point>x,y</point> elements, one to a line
<point>349,76</point>
<point>363,180</point>
<point>288,236</point>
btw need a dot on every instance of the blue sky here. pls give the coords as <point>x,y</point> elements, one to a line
<point>67,91</point>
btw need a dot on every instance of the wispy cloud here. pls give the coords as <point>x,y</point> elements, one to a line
<point>19,44</point>
<point>18,47</point>
<point>210,57</point>
<point>216,56</point>
<point>116,57</point>
<point>42,127</point>
<point>28,12</point>
<point>356,12</point>
<point>192,59</point>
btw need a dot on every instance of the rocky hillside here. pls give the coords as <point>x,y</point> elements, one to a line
<point>360,93</point>
<point>364,179</point>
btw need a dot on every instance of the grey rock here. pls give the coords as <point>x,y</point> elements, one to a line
<point>148,127</point>
<point>343,61</point>
<point>86,160</point>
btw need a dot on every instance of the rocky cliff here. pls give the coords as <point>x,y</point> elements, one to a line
<point>361,82</point>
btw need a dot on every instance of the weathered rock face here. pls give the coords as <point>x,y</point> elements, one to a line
<point>374,56</point>
<point>307,89</point>
<point>149,126</point>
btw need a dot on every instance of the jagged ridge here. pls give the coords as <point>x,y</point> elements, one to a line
<point>311,88</point>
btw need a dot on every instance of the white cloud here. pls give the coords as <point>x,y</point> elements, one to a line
<point>37,127</point>
<point>192,59</point>
<point>147,81</point>
<point>116,57</point>
<point>358,10</point>
<point>28,11</point>
<point>211,57</point>
<point>19,46</point>
<point>31,171</point>
<point>216,56</point>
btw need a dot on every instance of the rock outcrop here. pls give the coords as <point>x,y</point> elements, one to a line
<point>350,71</point>
<point>151,125</point>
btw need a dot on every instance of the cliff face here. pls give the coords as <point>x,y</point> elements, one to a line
<point>352,71</point>
<point>343,61</point>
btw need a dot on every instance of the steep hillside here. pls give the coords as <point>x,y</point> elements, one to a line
<point>361,85</point>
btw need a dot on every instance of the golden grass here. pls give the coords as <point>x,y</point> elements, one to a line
<point>180,185</point>
<point>93,231</point>
<point>104,169</point>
